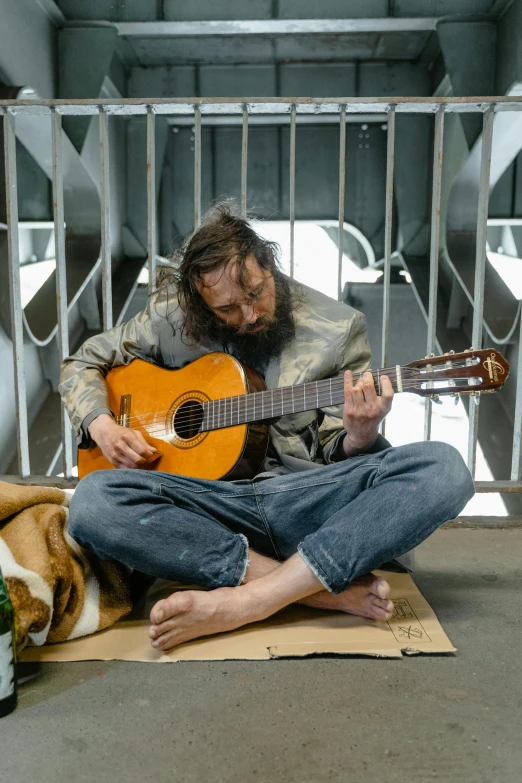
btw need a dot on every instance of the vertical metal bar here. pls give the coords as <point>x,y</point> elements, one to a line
<point>292,188</point>
<point>480,269</point>
<point>342,185</point>
<point>244,162</point>
<point>105,202</point>
<point>151,195</point>
<point>516,462</point>
<point>388,226</point>
<point>11,192</point>
<point>438,147</point>
<point>197,167</point>
<point>61,276</point>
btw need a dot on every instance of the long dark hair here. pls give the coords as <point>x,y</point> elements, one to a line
<point>222,235</point>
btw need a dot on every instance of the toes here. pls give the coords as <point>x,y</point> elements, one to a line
<point>380,614</point>
<point>158,612</point>
<point>175,604</point>
<point>381,588</point>
<point>166,641</point>
<point>382,604</point>
<point>157,630</point>
<point>374,584</point>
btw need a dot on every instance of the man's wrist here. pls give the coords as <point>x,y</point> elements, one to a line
<point>100,420</point>
<point>351,448</point>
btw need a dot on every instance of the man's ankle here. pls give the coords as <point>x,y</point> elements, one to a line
<point>258,566</point>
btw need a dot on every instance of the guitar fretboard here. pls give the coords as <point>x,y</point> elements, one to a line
<point>274,403</point>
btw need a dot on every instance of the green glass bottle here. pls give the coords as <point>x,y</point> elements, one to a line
<point>7,652</point>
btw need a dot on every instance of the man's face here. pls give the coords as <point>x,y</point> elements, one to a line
<point>247,310</point>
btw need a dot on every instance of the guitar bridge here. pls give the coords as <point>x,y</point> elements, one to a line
<point>125,410</point>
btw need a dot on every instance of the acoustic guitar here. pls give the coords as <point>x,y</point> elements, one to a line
<point>202,433</point>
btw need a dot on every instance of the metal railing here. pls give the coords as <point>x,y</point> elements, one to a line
<point>245,111</point>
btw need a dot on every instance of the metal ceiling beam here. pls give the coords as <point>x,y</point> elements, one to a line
<point>85,55</point>
<point>53,11</point>
<point>500,7</point>
<point>273,27</point>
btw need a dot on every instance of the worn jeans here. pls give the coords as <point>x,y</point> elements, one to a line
<point>344,519</point>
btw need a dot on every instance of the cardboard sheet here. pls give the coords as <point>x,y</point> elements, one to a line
<point>295,631</point>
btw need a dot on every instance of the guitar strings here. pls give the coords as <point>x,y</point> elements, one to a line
<point>405,372</point>
<point>409,377</point>
<point>234,407</point>
<point>324,384</point>
<point>161,433</point>
<point>234,412</point>
<point>224,421</point>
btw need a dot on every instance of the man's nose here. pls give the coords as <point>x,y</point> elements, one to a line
<point>249,313</point>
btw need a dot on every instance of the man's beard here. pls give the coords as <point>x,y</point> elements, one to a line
<point>255,349</point>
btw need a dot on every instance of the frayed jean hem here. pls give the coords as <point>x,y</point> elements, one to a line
<point>242,563</point>
<point>316,569</point>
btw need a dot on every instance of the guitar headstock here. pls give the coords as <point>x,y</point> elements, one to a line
<point>470,372</point>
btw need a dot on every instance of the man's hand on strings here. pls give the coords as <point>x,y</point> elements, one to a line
<point>364,410</point>
<point>123,447</point>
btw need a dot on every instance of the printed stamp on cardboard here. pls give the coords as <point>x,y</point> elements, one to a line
<point>404,623</point>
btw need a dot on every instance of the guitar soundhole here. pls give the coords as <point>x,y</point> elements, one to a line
<point>188,419</point>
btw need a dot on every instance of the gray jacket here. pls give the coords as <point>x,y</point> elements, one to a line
<point>330,337</point>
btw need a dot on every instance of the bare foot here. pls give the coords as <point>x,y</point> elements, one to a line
<point>189,614</point>
<point>367,596</point>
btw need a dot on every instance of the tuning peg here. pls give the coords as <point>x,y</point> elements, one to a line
<point>435,398</point>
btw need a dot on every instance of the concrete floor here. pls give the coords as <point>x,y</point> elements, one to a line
<point>445,718</point>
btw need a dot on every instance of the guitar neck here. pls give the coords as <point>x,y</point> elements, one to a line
<point>274,403</point>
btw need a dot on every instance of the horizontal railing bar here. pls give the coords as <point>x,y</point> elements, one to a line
<point>504,221</point>
<point>36,224</point>
<point>256,105</point>
<point>32,225</point>
<point>484,523</point>
<point>275,27</point>
<point>275,119</point>
<point>41,481</point>
<point>57,481</point>
<point>498,486</point>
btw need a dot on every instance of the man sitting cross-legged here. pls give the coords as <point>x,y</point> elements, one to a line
<point>334,500</point>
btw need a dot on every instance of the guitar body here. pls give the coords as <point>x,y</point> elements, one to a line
<point>159,403</point>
